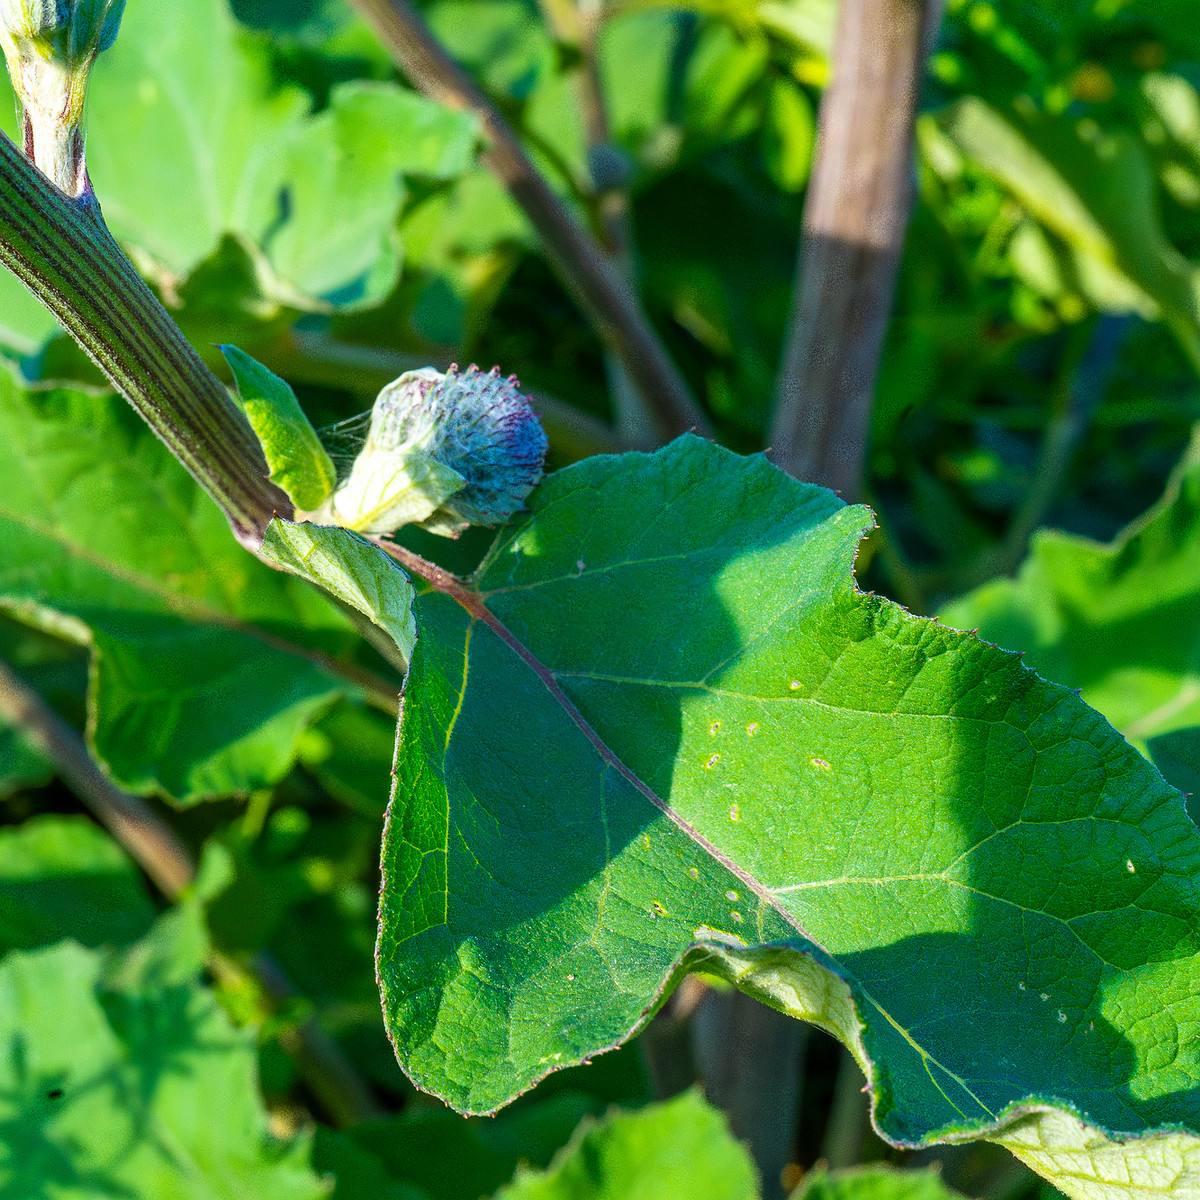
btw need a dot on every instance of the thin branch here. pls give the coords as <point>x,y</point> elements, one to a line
<point>577,23</point>
<point>595,282</point>
<point>60,248</point>
<point>854,220</point>
<point>1068,425</point>
<point>157,849</point>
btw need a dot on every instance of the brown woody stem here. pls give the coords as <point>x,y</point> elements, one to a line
<point>593,279</point>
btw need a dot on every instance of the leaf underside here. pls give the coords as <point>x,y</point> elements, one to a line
<point>662,728</point>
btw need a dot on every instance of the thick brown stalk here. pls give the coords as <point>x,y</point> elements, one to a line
<point>60,248</point>
<point>748,1057</point>
<point>156,848</point>
<point>592,278</point>
<point>854,220</point>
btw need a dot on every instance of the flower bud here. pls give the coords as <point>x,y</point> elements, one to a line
<point>50,46</point>
<point>443,452</point>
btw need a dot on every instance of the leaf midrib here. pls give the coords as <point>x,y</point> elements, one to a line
<point>473,603</point>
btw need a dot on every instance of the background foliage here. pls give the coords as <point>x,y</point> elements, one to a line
<point>283,189</point>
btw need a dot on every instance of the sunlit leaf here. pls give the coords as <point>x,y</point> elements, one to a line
<point>135,1087</point>
<point>679,1148</point>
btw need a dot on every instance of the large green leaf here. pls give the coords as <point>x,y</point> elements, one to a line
<point>132,1087</point>
<point>63,877</point>
<point>663,728</point>
<point>1096,193</point>
<point>207,665</point>
<point>1121,621</point>
<point>679,1148</point>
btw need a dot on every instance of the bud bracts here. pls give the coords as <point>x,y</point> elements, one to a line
<point>73,29</point>
<point>443,451</point>
<point>50,46</point>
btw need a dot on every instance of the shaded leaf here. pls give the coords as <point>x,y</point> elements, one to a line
<point>140,1090</point>
<point>199,685</point>
<point>63,877</point>
<point>663,722</point>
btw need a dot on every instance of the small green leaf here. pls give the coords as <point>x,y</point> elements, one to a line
<point>680,1148</point>
<point>874,1183</point>
<point>298,462</point>
<point>131,1087</point>
<point>63,877</point>
<point>349,568</point>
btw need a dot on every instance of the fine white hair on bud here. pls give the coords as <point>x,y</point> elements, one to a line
<point>50,46</point>
<point>443,451</point>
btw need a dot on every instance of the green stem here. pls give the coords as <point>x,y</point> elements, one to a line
<point>60,248</point>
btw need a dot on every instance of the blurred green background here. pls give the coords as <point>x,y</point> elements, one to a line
<point>284,189</point>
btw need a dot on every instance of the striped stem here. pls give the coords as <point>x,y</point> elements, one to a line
<point>60,248</point>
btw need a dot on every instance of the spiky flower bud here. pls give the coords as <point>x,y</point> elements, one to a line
<point>50,46</point>
<point>443,451</point>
